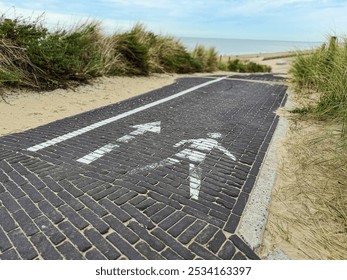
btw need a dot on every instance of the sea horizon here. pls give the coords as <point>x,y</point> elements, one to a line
<point>247,46</point>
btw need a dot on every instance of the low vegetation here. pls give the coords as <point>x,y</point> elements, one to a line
<point>324,71</point>
<point>313,195</point>
<point>237,65</point>
<point>33,56</point>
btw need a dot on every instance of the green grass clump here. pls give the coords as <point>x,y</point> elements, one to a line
<point>206,60</point>
<point>33,56</point>
<point>237,65</point>
<point>324,71</point>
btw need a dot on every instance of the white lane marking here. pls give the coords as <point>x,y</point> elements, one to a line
<point>140,130</point>
<point>118,117</point>
<point>97,153</point>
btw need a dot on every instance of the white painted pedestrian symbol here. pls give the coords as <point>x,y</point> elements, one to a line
<point>196,153</point>
<point>140,129</point>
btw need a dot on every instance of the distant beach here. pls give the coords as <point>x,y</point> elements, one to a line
<point>243,46</point>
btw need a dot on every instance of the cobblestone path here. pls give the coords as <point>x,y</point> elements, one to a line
<point>160,176</point>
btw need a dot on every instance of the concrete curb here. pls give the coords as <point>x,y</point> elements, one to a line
<point>255,216</point>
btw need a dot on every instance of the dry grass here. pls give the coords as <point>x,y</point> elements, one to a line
<point>308,215</point>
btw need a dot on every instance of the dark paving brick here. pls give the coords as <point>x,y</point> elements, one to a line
<point>191,232</point>
<point>155,208</point>
<point>73,217</point>
<point>14,189</point>
<point>127,249</point>
<point>241,203</point>
<point>71,200</point>
<point>171,220</point>
<point>125,198</point>
<point>69,252</point>
<point>165,200</point>
<point>145,250</point>
<point>206,235</point>
<point>92,205</point>
<point>145,204</point>
<point>22,245</point>
<point>52,184</point>
<point>45,248</point>
<point>151,240</point>
<point>75,236</point>
<point>34,195</point>
<point>5,243</point>
<point>52,197</point>
<point>217,241</point>
<point>35,181</point>
<point>71,188</point>
<point>50,212</point>
<point>8,201</point>
<point>173,244</point>
<point>162,214</point>
<point>142,219</point>
<point>25,223</point>
<point>2,188</point>
<point>227,251</point>
<point>108,190</point>
<point>239,256</point>
<point>119,227</point>
<point>241,245</point>
<point>102,244</point>
<point>49,187</point>
<point>202,252</point>
<point>182,225</point>
<point>94,254</point>
<point>29,207</point>
<point>232,223</point>
<point>6,220</point>
<point>17,178</point>
<point>55,236</point>
<point>10,255</point>
<point>204,217</point>
<point>115,210</point>
<point>171,255</point>
<point>94,220</point>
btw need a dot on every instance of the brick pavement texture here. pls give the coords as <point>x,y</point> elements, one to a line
<point>53,207</point>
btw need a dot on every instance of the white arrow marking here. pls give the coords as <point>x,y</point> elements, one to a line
<point>140,130</point>
<point>196,153</point>
<point>116,118</point>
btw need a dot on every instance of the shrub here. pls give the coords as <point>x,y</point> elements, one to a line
<point>324,71</point>
<point>33,56</point>
<point>247,66</point>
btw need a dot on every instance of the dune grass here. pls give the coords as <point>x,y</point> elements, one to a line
<point>324,71</point>
<point>314,201</point>
<point>33,56</point>
<point>237,65</point>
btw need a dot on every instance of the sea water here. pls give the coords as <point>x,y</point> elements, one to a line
<point>245,46</point>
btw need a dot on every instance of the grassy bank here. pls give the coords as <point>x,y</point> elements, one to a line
<point>309,214</point>
<point>32,56</point>
<point>324,72</point>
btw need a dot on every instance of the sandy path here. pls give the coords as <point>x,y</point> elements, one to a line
<point>27,109</point>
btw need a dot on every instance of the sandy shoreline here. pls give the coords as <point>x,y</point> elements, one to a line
<point>27,109</point>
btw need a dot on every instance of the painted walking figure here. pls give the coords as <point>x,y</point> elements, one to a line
<point>196,153</point>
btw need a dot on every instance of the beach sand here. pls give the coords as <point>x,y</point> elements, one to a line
<point>21,109</point>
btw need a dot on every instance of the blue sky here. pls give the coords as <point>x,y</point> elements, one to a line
<point>292,20</point>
